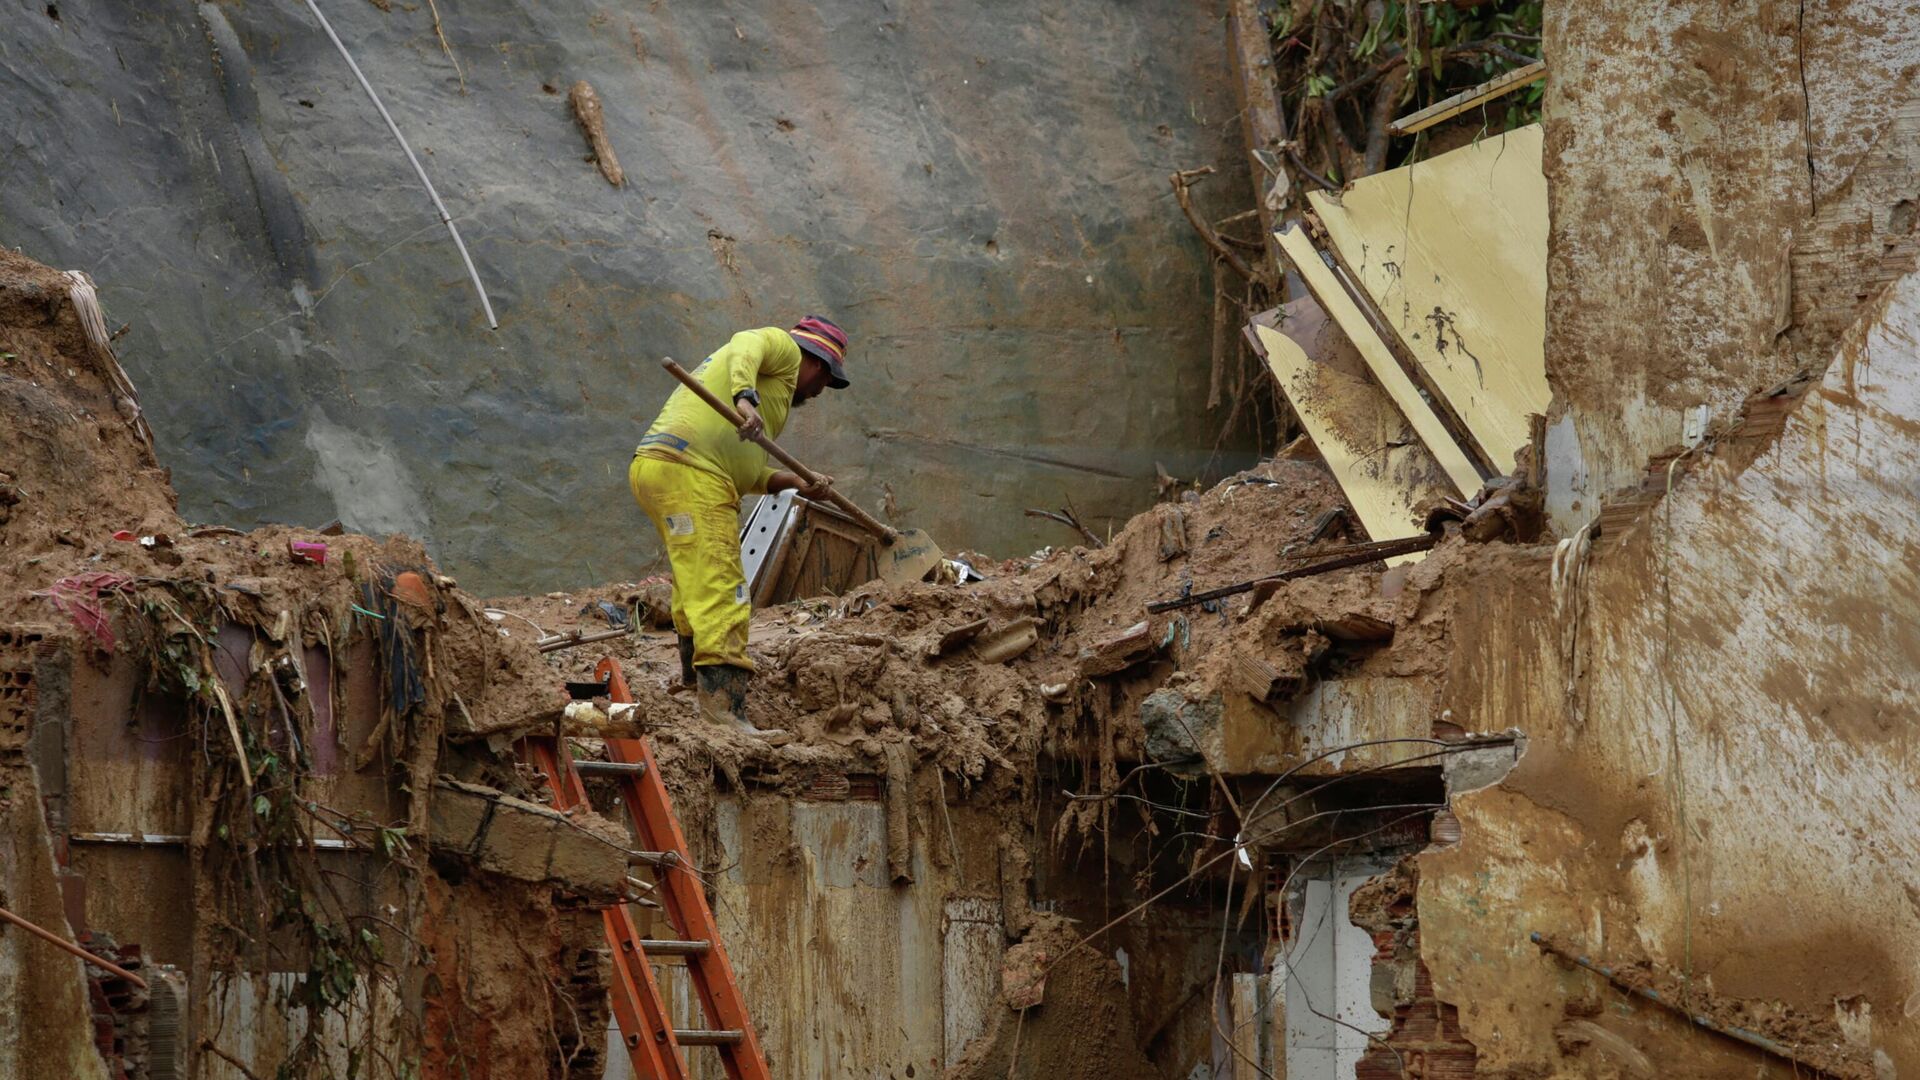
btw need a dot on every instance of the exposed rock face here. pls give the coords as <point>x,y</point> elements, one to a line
<point>977,192</point>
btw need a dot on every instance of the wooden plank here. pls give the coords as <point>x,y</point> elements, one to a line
<point>1453,253</point>
<point>1384,471</point>
<point>1450,107</point>
<point>1326,288</point>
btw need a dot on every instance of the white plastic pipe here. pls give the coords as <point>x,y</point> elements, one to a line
<point>446,218</point>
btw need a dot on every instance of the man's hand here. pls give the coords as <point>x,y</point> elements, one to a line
<point>786,481</point>
<point>817,491</point>
<point>748,412</point>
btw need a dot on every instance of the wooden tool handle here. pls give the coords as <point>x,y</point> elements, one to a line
<point>868,521</point>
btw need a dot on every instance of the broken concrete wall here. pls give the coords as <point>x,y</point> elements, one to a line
<point>500,950</point>
<point>1717,776</point>
<point>1729,183</point>
<point>977,191</point>
<point>849,972</point>
<point>1714,697</point>
<point>45,1028</point>
<point>845,969</point>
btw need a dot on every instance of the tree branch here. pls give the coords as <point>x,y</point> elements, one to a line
<point>1293,155</point>
<point>1067,517</point>
<point>1385,101</point>
<point>1359,81</point>
<point>1467,48</point>
<point>1491,48</point>
<point>1183,180</point>
<point>208,1046</point>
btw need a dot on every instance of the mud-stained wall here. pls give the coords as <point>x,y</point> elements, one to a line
<point>1728,184</point>
<point>849,972</point>
<point>977,191</point>
<point>1727,790</point>
<point>843,968</point>
<point>44,1026</point>
<point>1716,711</point>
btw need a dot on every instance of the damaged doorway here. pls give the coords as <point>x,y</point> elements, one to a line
<point>1326,974</point>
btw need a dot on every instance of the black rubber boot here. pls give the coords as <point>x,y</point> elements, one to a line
<point>723,698</point>
<point>687,677</point>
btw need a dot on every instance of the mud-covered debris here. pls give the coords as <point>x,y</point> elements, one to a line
<point>898,800</point>
<point>592,118</point>
<point>1261,679</point>
<point>500,834</point>
<point>1006,642</point>
<point>1023,974</point>
<point>1066,1015</point>
<point>1177,728</point>
<point>954,639</point>
<point>1173,533</point>
<point>1117,653</point>
<point>1353,626</point>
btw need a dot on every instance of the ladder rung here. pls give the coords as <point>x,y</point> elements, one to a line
<point>610,768</point>
<point>646,1026</point>
<point>708,1038</point>
<point>655,947</point>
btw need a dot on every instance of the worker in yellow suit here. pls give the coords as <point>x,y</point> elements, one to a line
<point>689,472</point>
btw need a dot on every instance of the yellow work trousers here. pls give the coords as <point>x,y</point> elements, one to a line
<point>698,515</point>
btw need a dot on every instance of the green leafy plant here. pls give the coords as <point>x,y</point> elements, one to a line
<point>1347,69</point>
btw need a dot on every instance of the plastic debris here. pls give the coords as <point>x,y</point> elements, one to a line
<point>79,598</point>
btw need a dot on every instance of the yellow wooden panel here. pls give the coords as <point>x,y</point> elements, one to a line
<point>1386,475</point>
<point>1327,289</point>
<point>1453,251</point>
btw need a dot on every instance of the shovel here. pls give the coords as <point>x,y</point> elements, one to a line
<point>905,554</point>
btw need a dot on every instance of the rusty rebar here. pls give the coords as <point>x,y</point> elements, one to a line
<point>54,939</point>
<point>1363,554</point>
<point>1701,1020</point>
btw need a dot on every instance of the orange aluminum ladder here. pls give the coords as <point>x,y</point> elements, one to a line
<point>645,1024</point>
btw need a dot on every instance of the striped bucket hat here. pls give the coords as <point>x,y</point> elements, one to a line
<point>828,342</point>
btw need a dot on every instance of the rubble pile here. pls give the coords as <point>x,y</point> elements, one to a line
<point>252,636</point>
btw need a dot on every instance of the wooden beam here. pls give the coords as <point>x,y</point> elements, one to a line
<point>1250,48</point>
<point>1448,108</point>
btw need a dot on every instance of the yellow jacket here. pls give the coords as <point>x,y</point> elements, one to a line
<point>689,431</point>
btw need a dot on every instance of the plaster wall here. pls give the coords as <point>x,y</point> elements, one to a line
<point>1729,185</point>
<point>1726,791</point>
